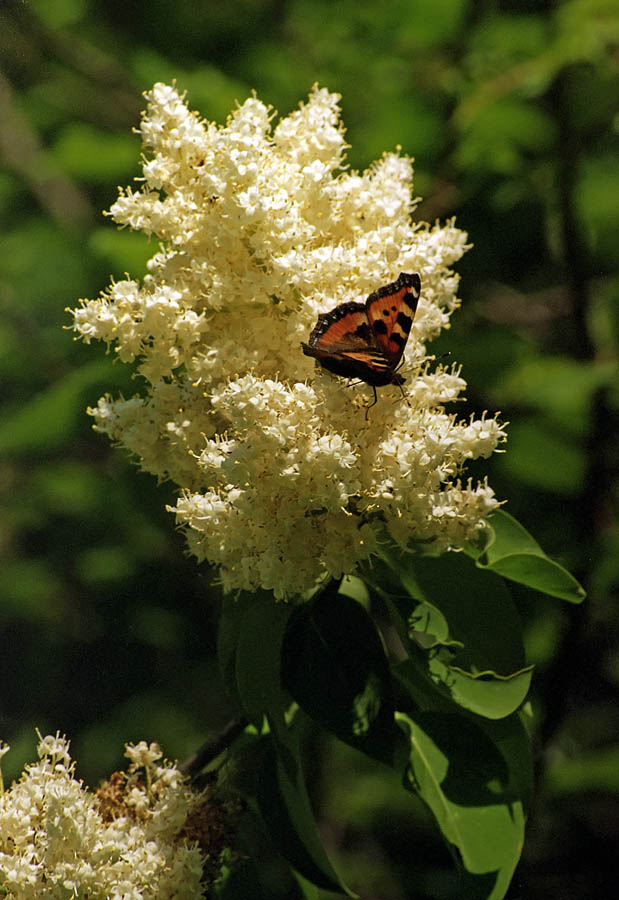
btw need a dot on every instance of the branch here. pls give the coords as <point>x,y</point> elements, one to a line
<point>211,748</point>
<point>24,154</point>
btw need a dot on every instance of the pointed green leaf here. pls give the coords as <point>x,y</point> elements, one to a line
<point>509,734</point>
<point>484,693</point>
<point>309,890</point>
<point>335,667</point>
<point>464,779</point>
<point>462,631</point>
<point>228,635</point>
<point>285,807</point>
<point>510,551</point>
<point>476,606</point>
<point>258,660</point>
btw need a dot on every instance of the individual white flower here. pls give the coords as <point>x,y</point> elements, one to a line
<point>143,755</point>
<point>129,840</point>
<point>261,229</point>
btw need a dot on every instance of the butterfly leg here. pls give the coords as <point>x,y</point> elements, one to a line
<point>374,402</point>
<point>404,397</point>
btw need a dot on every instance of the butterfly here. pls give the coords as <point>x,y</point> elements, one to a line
<point>367,340</point>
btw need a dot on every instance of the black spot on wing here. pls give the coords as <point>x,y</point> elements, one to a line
<point>411,300</point>
<point>364,332</point>
<point>405,322</point>
<point>399,339</point>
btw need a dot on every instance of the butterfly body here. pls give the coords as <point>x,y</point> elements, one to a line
<point>367,340</point>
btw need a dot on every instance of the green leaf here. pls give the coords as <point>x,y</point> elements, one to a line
<point>462,631</point>
<point>420,30</point>
<point>475,605</point>
<point>88,153</point>
<point>595,191</point>
<point>590,771</point>
<point>510,551</point>
<point>120,249</point>
<point>355,587</point>
<point>486,694</point>
<point>509,734</point>
<point>309,890</point>
<point>335,667</point>
<point>285,807</point>
<point>50,418</point>
<point>242,880</point>
<point>463,777</point>
<point>228,632</point>
<point>58,14</point>
<point>544,457</point>
<point>258,656</point>
<point>561,388</point>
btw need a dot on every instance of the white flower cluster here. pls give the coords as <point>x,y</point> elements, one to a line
<point>125,842</point>
<point>262,229</point>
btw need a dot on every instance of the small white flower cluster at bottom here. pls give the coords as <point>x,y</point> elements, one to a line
<point>135,838</point>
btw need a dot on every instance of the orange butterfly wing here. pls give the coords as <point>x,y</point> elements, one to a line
<point>344,343</point>
<point>366,340</point>
<point>391,310</point>
<point>345,327</point>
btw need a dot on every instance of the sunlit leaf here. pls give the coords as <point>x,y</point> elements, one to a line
<point>487,693</point>
<point>461,775</point>
<point>462,631</point>
<point>509,550</point>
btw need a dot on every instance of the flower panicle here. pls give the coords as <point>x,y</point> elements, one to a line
<point>158,838</point>
<point>261,228</point>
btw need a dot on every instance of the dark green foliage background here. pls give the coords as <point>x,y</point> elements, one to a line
<point>510,109</point>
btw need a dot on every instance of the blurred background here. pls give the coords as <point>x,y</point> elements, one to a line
<point>510,110</point>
